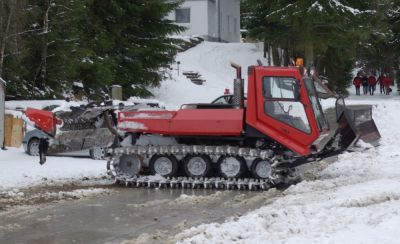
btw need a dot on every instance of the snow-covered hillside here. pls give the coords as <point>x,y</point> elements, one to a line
<point>212,61</point>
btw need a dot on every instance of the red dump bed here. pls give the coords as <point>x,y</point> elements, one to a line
<point>205,122</point>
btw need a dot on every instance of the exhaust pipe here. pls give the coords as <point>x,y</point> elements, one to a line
<point>238,87</point>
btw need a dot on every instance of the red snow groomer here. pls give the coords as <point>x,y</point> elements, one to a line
<point>247,143</point>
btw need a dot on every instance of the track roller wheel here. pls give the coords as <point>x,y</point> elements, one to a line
<point>164,165</point>
<point>261,169</point>
<point>129,164</point>
<point>197,165</point>
<point>231,166</point>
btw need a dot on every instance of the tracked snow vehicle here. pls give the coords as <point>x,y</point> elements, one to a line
<point>254,144</point>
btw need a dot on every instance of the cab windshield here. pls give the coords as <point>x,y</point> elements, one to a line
<point>318,112</point>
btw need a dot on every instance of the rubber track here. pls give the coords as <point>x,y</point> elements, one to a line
<point>195,183</point>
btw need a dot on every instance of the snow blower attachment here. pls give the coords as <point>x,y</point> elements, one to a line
<point>355,123</point>
<point>254,142</point>
<point>73,130</point>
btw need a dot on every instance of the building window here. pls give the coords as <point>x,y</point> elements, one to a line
<point>182,15</point>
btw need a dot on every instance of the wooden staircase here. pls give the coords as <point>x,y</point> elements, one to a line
<point>194,77</point>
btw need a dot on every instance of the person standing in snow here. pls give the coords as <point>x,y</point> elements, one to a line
<point>357,83</point>
<point>381,83</point>
<point>387,83</point>
<point>365,83</point>
<point>372,84</point>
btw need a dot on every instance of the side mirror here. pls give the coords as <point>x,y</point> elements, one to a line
<point>296,91</point>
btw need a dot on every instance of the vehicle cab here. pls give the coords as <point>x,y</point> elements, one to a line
<point>283,104</point>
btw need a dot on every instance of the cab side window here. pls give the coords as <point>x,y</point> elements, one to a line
<point>280,103</point>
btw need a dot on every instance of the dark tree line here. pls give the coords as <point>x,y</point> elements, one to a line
<point>48,45</point>
<point>332,35</point>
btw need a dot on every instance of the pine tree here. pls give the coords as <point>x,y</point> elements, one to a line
<point>13,19</point>
<point>130,42</point>
<point>42,66</point>
<point>315,30</point>
<point>393,16</point>
<point>375,49</point>
<point>95,42</point>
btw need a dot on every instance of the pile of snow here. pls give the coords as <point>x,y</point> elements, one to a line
<point>354,200</point>
<point>38,104</point>
<point>138,100</point>
<point>212,61</point>
<point>14,113</point>
<point>21,170</point>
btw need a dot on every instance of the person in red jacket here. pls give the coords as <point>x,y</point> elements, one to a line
<point>357,83</point>
<point>387,83</point>
<point>372,83</point>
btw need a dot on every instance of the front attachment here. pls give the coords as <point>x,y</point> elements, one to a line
<point>355,123</point>
<point>83,129</point>
<point>77,129</point>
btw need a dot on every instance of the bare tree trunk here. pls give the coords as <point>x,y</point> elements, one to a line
<point>286,56</point>
<point>5,33</point>
<point>269,55</point>
<point>309,54</point>
<point>42,69</point>
<point>275,56</point>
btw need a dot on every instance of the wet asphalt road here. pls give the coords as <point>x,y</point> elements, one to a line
<point>125,214</point>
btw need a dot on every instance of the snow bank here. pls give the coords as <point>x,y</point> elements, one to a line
<point>355,200</point>
<point>38,104</point>
<point>212,61</point>
<point>15,114</point>
<point>21,170</point>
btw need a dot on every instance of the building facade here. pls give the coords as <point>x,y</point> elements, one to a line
<point>215,20</point>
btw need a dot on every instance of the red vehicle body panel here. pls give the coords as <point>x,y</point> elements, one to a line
<point>199,122</point>
<point>292,138</point>
<point>230,122</point>
<point>44,120</point>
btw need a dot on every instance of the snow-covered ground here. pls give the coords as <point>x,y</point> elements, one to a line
<point>19,170</point>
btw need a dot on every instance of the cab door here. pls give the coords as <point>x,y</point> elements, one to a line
<point>284,111</point>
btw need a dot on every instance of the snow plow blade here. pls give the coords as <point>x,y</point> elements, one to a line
<point>355,123</point>
<point>75,130</point>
